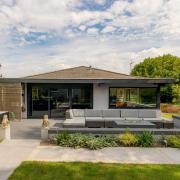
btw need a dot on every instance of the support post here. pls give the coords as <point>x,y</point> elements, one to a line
<point>158,97</point>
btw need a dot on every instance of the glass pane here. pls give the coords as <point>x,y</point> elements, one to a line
<point>132,97</point>
<point>120,97</point>
<point>147,97</point>
<point>81,98</point>
<point>59,102</point>
<point>113,96</point>
<point>39,101</point>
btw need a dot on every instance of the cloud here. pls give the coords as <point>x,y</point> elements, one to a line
<point>110,54</point>
<point>41,36</point>
<point>108,29</point>
<point>159,16</point>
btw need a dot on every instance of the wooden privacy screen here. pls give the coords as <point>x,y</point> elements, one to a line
<point>11,98</point>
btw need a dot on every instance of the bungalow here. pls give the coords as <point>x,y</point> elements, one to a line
<point>78,88</point>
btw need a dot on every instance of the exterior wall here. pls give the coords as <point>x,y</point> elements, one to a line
<point>24,114</point>
<point>100,96</point>
<point>11,98</point>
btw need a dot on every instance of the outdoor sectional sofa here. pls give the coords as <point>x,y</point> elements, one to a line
<point>110,118</point>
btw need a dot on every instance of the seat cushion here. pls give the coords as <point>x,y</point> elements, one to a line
<point>94,119</point>
<point>133,119</point>
<point>78,112</point>
<point>111,113</point>
<point>147,113</point>
<point>152,119</point>
<point>129,113</point>
<point>93,113</point>
<point>80,121</point>
<point>113,119</point>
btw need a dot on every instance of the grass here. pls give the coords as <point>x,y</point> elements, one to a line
<point>169,115</point>
<point>32,170</point>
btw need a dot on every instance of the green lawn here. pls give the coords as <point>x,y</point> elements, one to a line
<point>94,171</point>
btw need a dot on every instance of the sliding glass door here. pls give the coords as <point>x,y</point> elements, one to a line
<point>39,101</point>
<point>59,99</point>
<point>54,99</point>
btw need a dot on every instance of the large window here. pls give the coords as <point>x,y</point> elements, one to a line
<point>132,97</point>
<point>81,98</point>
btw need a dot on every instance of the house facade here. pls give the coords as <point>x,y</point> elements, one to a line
<point>79,88</point>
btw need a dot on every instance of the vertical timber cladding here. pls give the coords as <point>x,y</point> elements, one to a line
<point>11,98</point>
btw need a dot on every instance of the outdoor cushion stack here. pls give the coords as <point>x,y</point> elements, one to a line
<point>106,118</point>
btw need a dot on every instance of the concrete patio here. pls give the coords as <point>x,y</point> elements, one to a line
<point>28,128</point>
<point>108,155</point>
<point>12,153</point>
<point>25,145</point>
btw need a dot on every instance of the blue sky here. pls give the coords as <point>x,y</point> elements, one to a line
<point>38,36</point>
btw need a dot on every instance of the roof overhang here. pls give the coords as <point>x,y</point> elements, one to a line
<point>161,81</point>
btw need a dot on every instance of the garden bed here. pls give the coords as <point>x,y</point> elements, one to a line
<point>128,139</point>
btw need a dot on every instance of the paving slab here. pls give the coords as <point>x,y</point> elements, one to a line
<point>12,153</point>
<point>108,155</point>
<point>28,128</point>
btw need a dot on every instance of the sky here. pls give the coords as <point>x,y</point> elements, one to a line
<point>39,36</point>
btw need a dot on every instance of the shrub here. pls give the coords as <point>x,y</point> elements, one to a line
<point>94,143</point>
<point>173,141</point>
<point>110,140</point>
<point>145,139</point>
<point>78,140</point>
<point>62,139</point>
<point>128,139</point>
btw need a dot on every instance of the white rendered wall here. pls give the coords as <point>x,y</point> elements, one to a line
<point>100,96</point>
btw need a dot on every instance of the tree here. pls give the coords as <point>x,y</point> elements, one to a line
<point>162,66</point>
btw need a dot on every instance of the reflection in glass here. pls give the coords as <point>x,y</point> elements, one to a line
<point>39,101</point>
<point>132,97</point>
<point>81,98</point>
<point>59,101</point>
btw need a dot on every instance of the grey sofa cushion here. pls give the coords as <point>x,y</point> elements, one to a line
<point>94,119</point>
<point>153,119</point>
<point>147,113</point>
<point>113,119</point>
<point>80,122</point>
<point>129,113</point>
<point>93,113</point>
<point>134,119</point>
<point>78,112</point>
<point>111,113</point>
